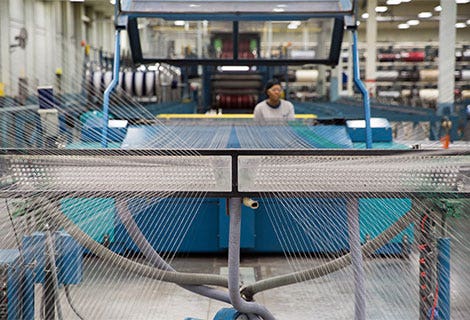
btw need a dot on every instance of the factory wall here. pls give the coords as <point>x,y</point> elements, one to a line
<point>52,54</point>
<point>423,35</point>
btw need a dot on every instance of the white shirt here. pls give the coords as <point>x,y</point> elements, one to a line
<point>263,112</point>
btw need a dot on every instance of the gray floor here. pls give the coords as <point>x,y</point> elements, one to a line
<point>392,289</point>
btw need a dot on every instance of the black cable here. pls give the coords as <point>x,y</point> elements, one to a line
<point>20,249</point>
<point>14,229</point>
<point>69,300</point>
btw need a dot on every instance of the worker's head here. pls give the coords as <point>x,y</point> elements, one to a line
<point>273,89</point>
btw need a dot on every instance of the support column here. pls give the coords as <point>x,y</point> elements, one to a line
<point>336,81</point>
<point>371,41</point>
<point>443,277</point>
<point>446,83</point>
<point>321,81</point>
<point>4,46</point>
<point>357,262</point>
<point>349,86</point>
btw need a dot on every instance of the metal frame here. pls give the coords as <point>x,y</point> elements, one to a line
<point>332,60</point>
<point>234,154</point>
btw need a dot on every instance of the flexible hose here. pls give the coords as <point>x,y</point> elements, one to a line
<point>146,248</point>
<point>71,304</point>
<point>283,280</point>
<point>132,266</point>
<point>234,266</point>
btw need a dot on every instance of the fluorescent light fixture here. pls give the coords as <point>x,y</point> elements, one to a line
<point>297,23</point>
<point>365,15</point>
<point>393,2</point>
<point>192,5</point>
<point>413,22</point>
<point>438,8</point>
<point>77,0</point>
<point>292,26</point>
<point>277,9</point>
<point>462,1</point>
<point>460,25</point>
<point>403,26</point>
<point>179,23</point>
<point>234,68</point>
<point>381,9</point>
<point>404,1</point>
<point>425,14</point>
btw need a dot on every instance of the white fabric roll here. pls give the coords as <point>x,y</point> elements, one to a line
<point>139,83</point>
<point>306,75</point>
<point>107,78</point>
<point>465,94</point>
<point>128,81</point>
<point>429,94</point>
<point>405,92</point>
<point>429,74</point>
<point>387,75</point>
<point>96,79</point>
<point>121,78</point>
<point>465,74</point>
<point>149,83</point>
<point>389,94</point>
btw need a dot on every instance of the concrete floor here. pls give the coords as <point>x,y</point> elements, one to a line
<point>392,288</point>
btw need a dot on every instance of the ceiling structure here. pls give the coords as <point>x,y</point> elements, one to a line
<point>397,14</point>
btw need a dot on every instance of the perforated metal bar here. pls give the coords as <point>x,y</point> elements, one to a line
<point>327,172</point>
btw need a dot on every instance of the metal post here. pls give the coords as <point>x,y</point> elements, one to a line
<point>360,85</point>
<point>443,277</point>
<point>48,287</point>
<point>107,92</point>
<point>356,258</point>
<point>426,266</point>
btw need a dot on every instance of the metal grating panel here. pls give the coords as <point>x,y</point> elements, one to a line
<point>402,173</point>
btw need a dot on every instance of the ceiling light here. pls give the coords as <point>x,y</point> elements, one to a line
<point>381,9</point>
<point>405,0</point>
<point>365,15</point>
<point>234,68</point>
<point>192,5</point>
<point>468,21</point>
<point>413,22</point>
<point>438,8</point>
<point>112,1</point>
<point>277,9</point>
<point>292,26</point>
<point>403,26</point>
<point>462,1</point>
<point>179,23</point>
<point>460,25</point>
<point>77,0</point>
<point>393,2</point>
<point>425,15</point>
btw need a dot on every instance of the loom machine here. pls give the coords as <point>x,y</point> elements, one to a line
<point>109,201</point>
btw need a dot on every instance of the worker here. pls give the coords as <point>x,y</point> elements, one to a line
<point>274,108</point>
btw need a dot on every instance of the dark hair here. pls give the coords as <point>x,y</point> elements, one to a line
<point>270,84</point>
